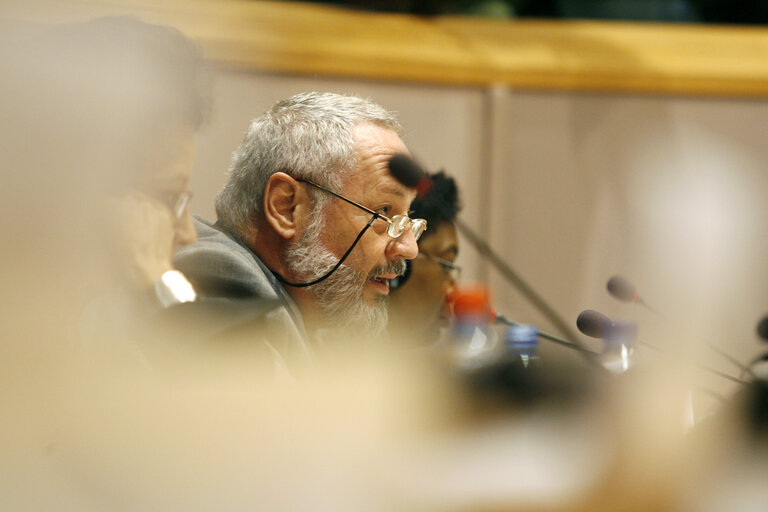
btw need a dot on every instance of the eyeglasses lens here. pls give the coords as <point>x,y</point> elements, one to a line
<point>418,226</point>
<point>401,222</point>
<point>181,204</point>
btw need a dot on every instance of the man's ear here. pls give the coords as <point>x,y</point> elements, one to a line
<point>286,204</point>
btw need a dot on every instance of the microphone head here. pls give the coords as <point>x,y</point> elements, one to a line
<point>594,324</point>
<point>762,328</point>
<point>622,289</point>
<point>405,170</point>
<point>400,280</point>
<point>408,173</point>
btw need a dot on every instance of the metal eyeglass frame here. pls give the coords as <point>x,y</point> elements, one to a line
<point>374,216</point>
<point>418,226</point>
<point>181,204</point>
<point>177,203</point>
<point>451,269</point>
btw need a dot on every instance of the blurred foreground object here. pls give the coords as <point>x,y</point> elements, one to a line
<point>103,118</point>
<point>97,141</point>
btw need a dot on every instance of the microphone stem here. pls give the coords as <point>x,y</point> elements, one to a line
<point>700,367</point>
<point>652,310</point>
<point>522,286</point>
<point>732,360</point>
<point>711,393</point>
<point>502,319</point>
<point>568,344</point>
<point>712,347</point>
<point>721,374</point>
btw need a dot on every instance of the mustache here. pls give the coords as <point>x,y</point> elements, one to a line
<point>397,267</point>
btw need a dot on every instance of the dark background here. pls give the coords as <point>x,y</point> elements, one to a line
<point>749,12</point>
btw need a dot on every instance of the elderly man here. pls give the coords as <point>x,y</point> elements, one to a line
<point>310,217</point>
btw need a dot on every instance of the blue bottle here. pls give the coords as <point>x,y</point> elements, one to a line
<point>522,346</point>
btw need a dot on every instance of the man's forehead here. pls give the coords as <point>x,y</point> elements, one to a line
<point>385,184</point>
<point>396,190</point>
<point>376,145</point>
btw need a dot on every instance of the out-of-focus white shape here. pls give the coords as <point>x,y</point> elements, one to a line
<point>738,485</point>
<point>174,288</point>
<point>540,459</point>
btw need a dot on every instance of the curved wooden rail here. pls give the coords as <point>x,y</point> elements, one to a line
<point>307,38</point>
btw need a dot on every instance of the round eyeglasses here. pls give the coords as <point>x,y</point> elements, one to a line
<point>181,204</point>
<point>399,223</point>
<point>396,226</point>
<point>452,270</point>
<point>177,203</point>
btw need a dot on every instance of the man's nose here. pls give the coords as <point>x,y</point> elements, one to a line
<point>403,247</point>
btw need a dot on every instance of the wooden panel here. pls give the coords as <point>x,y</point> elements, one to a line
<point>304,38</point>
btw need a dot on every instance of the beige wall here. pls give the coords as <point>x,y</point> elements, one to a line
<point>666,191</point>
<point>443,129</point>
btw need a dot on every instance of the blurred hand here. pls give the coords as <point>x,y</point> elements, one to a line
<point>140,233</point>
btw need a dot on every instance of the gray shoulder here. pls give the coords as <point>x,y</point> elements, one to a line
<point>218,266</point>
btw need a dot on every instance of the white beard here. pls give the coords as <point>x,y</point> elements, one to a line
<point>339,297</point>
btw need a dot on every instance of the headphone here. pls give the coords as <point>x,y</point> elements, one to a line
<point>400,280</point>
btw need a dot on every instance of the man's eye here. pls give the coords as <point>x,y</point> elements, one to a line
<point>384,210</point>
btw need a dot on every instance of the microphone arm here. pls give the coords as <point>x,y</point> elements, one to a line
<point>597,325</point>
<point>560,341</point>
<point>744,369</point>
<point>410,174</point>
<point>621,289</point>
<point>517,281</point>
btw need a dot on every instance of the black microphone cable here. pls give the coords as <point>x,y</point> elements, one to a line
<point>408,173</point>
<point>341,260</point>
<point>549,337</point>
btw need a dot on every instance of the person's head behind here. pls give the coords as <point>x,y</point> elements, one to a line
<point>343,143</point>
<point>95,109</point>
<point>417,304</point>
<point>130,96</point>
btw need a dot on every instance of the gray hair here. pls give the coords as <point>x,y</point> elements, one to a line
<point>309,136</point>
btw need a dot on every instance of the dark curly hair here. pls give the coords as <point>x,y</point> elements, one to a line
<point>440,204</point>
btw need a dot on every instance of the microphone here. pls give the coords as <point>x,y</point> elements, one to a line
<point>409,173</point>
<point>593,324</point>
<point>621,289</point>
<point>759,359</point>
<point>467,300</point>
<point>618,338</point>
<point>597,325</point>
<point>762,328</point>
<point>762,332</point>
<point>501,319</point>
